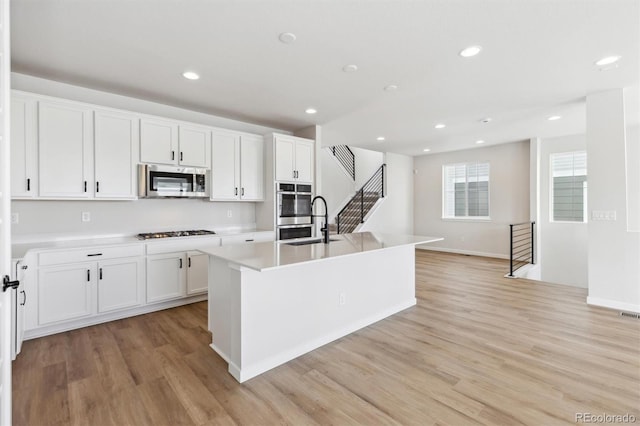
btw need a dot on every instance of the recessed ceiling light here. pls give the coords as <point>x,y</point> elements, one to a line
<point>426,150</point>
<point>190,75</point>
<point>470,51</point>
<point>608,60</point>
<point>350,68</point>
<point>391,88</point>
<point>380,138</point>
<point>486,120</point>
<point>287,38</point>
<point>479,142</point>
<point>554,117</point>
<point>440,126</point>
<point>310,110</point>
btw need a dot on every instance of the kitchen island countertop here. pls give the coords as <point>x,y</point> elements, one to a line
<point>271,255</point>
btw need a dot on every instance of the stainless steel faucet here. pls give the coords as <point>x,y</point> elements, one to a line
<point>325,229</point>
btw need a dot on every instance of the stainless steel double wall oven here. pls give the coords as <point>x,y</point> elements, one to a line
<point>293,215</point>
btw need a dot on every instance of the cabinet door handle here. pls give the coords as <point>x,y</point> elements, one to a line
<point>181,263</point>
<point>189,263</point>
<point>97,186</point>
<point>173,155</point>
<point>100,272</point>
<point>85,186</point>
<point>242,192</point>
<point>28,184</point>
<point>180,155</point>
<point>88,275</point>
<point>24,296</point>
<point>236,190</point>
<point>294,174</point>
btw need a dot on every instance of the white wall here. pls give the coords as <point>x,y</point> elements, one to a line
<point>395,213</point>
<point>563,254</point>
<point>337,185</point>
<point>367,163</point>
<point>40,219</point>
<point>614,251</point>
<point>509,199</point>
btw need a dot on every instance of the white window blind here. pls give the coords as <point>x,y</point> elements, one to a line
<point>466,190</point>
<point>569,186</point>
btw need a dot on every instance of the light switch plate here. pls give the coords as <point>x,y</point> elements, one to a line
<point>603,215</point>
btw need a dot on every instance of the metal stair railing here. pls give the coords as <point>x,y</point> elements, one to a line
<point>354,212</point>
<point>346,158</point>
<point>521,245</point>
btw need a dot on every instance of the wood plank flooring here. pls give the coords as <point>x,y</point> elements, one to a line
<point>477,349</point>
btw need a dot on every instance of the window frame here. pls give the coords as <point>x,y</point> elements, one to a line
<point>585,193</point>
<point>466,218</point>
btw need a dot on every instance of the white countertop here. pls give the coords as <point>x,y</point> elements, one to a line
<point>278,254</point>
<point>19,249</point>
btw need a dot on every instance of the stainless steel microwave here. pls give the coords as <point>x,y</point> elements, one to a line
<point>157,181</point>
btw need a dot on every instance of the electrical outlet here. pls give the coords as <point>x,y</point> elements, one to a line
<point>15,218</point>
<point>86,216</point>
<point>342,299</point>
<point>229,213</point>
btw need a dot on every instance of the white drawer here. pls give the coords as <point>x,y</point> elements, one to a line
<point>56,257</point>
<point>248,238</point>
<point>186,244</point>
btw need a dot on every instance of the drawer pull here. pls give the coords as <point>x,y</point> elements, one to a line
<point>249,240</point>
<point>94,254</point>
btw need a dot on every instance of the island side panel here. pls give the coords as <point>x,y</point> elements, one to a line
<point>221,299</point>
<point>290,311</point>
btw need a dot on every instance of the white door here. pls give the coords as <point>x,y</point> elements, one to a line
<point>165,276</point>
<point>158,141</point>
<point>284,163</point>
<point>24,145</point>
<point>5,215</point>
<point>120,282</point>
<point>197,272</point>
<point>65,149</point>
<point>195,146</point>
<point>116,154</point>
<point>304,161</point>
<point>66,292</point>
<point>252,168</point>
<point>224,166</point>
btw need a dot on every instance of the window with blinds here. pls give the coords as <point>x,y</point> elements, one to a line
<point>465,190</point>
<point>569,186</point>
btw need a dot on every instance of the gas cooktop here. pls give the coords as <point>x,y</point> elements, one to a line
<point>168,234</point>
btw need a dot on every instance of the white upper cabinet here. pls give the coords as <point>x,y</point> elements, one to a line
<point>116,154</point>
<point>158,141</point>
<point>24,147</point>
<point>194,146</point>
<point>251,168</point>
<point>225,160</point>
<point>294,159</point>
<point>167,142</point>
<point>237,172</point>
<point>65,150</point>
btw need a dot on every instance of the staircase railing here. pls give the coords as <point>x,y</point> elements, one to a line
<point>346,158</point>
<point>521,245</point>
<point>354,212</point>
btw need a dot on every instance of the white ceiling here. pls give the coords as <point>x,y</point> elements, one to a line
<point>537,60</point>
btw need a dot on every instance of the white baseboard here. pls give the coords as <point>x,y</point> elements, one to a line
<point>613,304</point>
<point>467,252</point>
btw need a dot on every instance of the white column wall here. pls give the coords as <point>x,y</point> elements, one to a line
<point>614,251</point>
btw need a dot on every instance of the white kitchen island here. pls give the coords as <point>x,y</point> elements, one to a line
<point>272,302</point>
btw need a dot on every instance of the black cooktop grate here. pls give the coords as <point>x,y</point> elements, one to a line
<point>169,234</point>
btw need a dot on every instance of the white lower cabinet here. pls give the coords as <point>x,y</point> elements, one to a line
<point>197,272</point>
<point>120,284</point>
<point>166,276</point>
<point>66,292</point>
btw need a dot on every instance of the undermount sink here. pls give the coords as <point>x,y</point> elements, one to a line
<point>307,242</point>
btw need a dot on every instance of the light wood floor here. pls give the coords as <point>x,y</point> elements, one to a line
<point>477,349</point>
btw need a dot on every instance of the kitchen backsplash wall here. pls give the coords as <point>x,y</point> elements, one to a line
<point>39,218</point>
